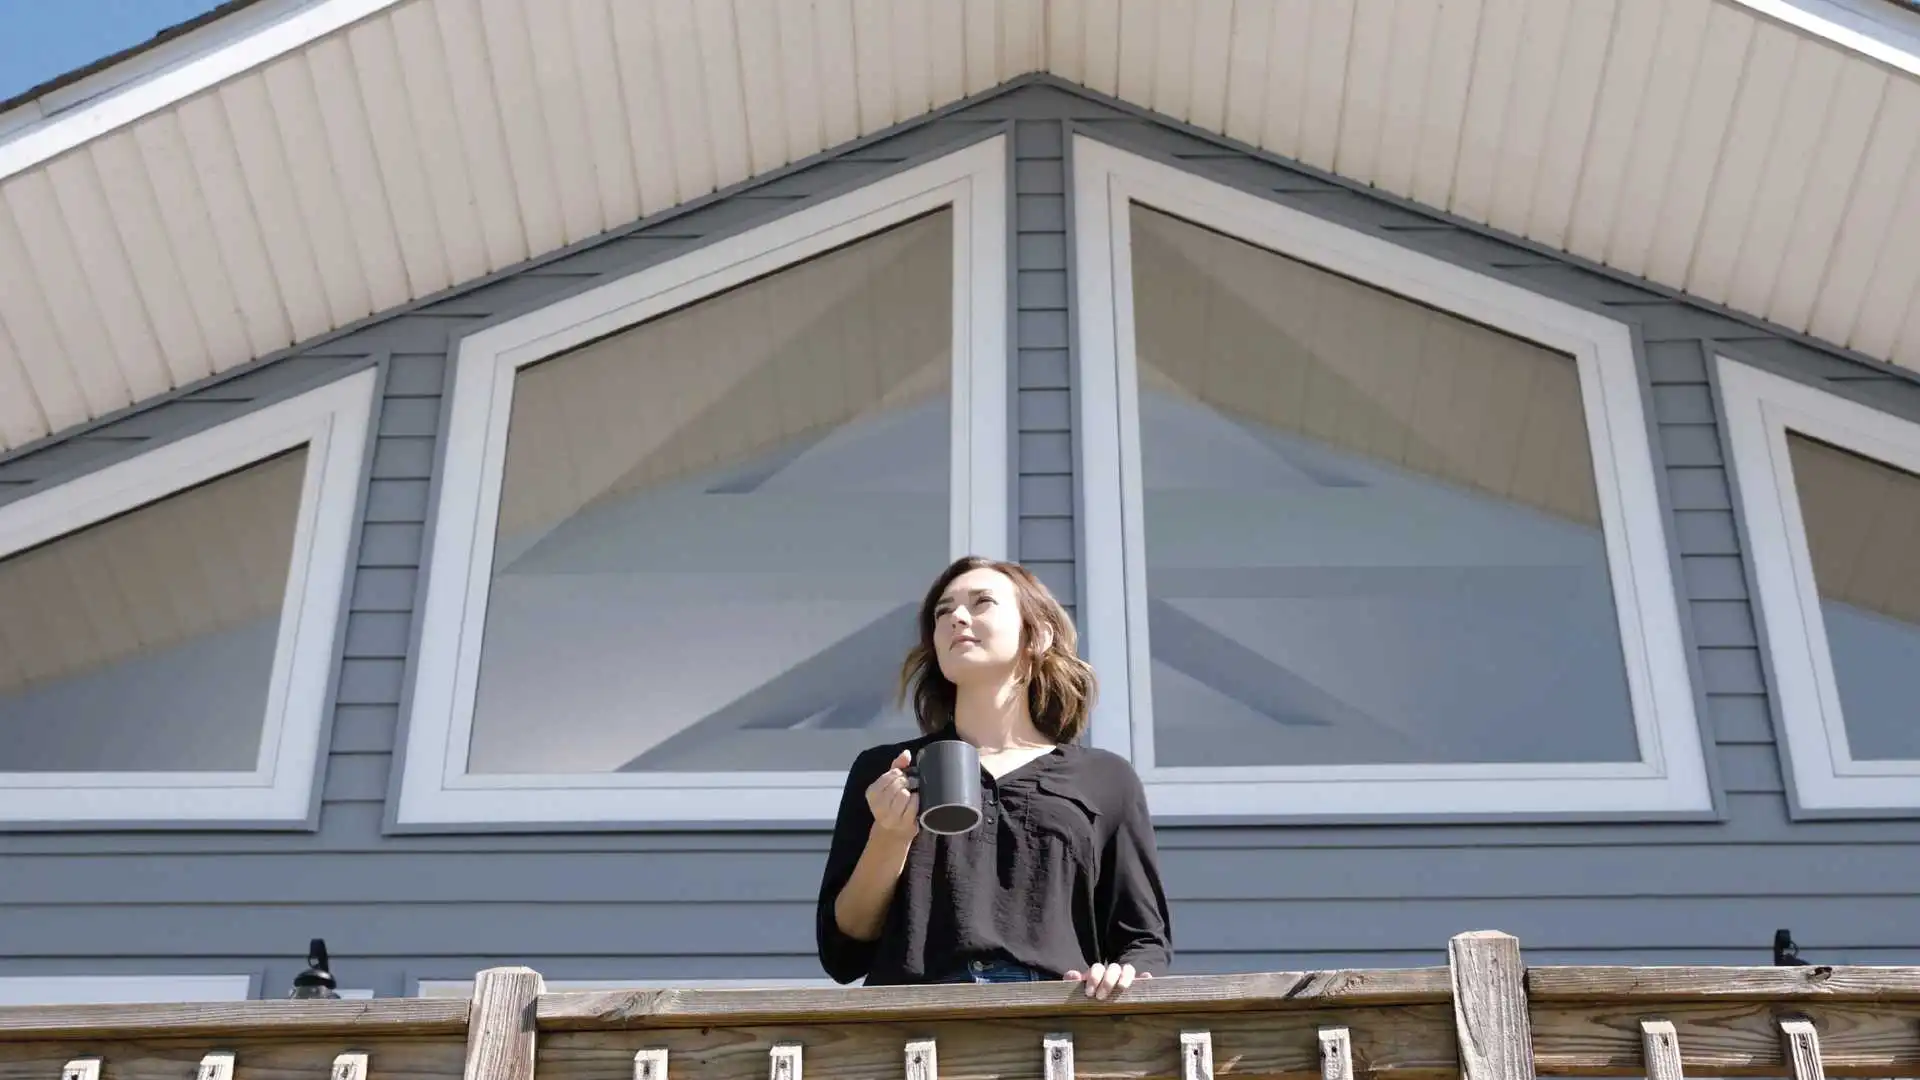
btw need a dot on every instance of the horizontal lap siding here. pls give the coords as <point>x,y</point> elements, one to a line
<point>600,905</point>
<point>1042,375</point>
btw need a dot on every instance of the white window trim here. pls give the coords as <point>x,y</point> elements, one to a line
<point>168,74</point>
<point>1761,408</point>
<point>332,422</point>
<point>1671,777</point>
<point>435,789</point>
<point>461,988</point>
<point>122,989</point>
<point>1873,28</point>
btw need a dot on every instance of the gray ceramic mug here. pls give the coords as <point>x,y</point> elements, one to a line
<point>947,776</point>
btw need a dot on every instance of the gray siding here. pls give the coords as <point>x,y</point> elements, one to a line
<point>1042,375</point>
<point>653,904</point>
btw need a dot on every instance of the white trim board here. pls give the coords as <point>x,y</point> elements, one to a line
<point>152,90</point>
<point>1761,408</point>
<point>122,989</point>
<point>1876,29</point>
<point>461,988</point>
<point>332,422</point>
<point>1670,777</point>
<point>971,182</point>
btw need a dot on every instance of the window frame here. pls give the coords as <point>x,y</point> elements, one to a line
<point>434,789</point>
<point>1671,777</point>
<point>125,989</point>
<point>333,421</point>
<point>1760,408</point>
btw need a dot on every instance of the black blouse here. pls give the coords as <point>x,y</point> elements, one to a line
<point>1060,874</point>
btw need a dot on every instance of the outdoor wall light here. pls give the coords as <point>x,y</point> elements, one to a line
<point>1785,952</point>
<point>316,981</point>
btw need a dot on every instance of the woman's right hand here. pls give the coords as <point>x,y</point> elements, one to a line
<point>896,810</point>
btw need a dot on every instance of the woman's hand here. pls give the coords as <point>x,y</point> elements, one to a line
<point>896,810</point>
<point>1106,980</point>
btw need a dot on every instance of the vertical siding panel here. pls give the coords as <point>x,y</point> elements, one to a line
<point>382,88</point>
<point>1857,101</point>
<point>654,162</point>
<point>516,90</point>
<point>1363,110</point>
<point>1445,105</point>
<point>21,418</point>
<point>592,26</point>
<point>1840,312</point>
<point>1581,64</point>
<point>483,139</point>
<point>1685,56</point>
<point>912,58</point>
<point>562,111</point>
<point>137,216</point>
<point>1330,29</point>
<point>1246,69</point>
<point>80,196</point>
<point>834,54</point>
<point>452,176</point>
<point>1523,138</point>
<point>1742,160</point>
<point>1496,55</point>
<point>1102,40</point>
<point>1709,110</point>
<point>1610,138</point>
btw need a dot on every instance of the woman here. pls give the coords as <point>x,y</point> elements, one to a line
<point>1060,880</point>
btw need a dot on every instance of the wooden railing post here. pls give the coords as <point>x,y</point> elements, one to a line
<point>1490,1006</point>
<point>500,1027</point>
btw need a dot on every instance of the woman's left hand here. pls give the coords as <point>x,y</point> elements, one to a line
<point>1105,980</point>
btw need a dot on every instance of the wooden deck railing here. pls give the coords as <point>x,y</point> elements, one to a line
<point>1483,1016</point>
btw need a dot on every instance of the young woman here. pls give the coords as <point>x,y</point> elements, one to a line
<point>1060,879</point>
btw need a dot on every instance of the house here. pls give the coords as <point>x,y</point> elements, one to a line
<point>465,465</point>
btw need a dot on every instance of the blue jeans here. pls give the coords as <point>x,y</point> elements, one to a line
<point>994,971</point>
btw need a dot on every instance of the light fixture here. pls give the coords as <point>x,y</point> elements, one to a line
<point>1785,952</point>
<point>316,981</point>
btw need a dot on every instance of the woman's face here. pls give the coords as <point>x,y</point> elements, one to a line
<point>977,628</point>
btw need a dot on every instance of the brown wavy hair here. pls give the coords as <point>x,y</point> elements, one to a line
<point>1060,686</point>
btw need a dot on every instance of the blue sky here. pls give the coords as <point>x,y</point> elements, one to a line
<point>40,39</point>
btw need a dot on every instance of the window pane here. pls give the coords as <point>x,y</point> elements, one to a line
<point>145,643</point>
<point>1863,527</point>
<point>714,527</point>
<point>1372,535</point>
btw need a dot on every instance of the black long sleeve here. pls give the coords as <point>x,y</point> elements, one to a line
<point>1131,902</point>
<point>1061,873</point>
<point>846,958</point>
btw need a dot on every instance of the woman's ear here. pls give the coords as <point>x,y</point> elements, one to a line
<point>1042,640</point>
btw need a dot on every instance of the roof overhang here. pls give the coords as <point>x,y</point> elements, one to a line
<point>298,165</point>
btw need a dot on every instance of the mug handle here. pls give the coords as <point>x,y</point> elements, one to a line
<point>912,773</point>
